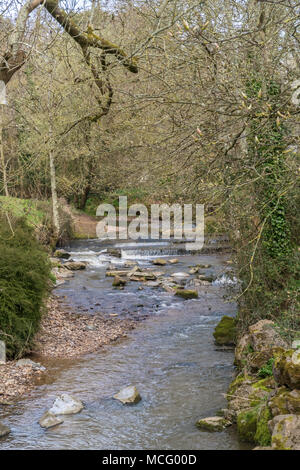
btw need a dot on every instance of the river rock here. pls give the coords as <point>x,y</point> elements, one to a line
<point>187,294</point>
<point>243,348</point>
<point>118,281</point>
<point>66,405</point>
<point>174,261</point>
<point>246,389</point>
<point>29,362</point>
<point>4,430</point>
<point>61,254</point>
<point>225,331</point>
<point>264,336</point>
<point>286,367</point>
<point>285,402</point>
<point>208,279</point>
<point>75,265</point>
<point>180,275</point>
<point>116,252</point>
<point>193,270</point>
<point>152,283</point>
<point>128,395</point>
<point>2,352</point>
<point>285,431</point>
<point>212,424</point>
<point>159,262</point>
<point>48,420</point>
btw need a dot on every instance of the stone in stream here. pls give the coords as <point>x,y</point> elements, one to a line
<point>213,424</point>
<point>29,362</point>
<point>174,261</point>
<point>116,252</point>
<point>187,294</point>
<point>225,331</point>
<point>61,254</point>
<point>128,395</point>
<point>2,352</point>
<point>4,430</point>
<point>193,270</point>
<point>48,420</point>
<point>159,262</point>
<point>66,405</point>
<point>152,283</point>
<point>75,265</point>
<point>180,275</point>
<point>118,281</point>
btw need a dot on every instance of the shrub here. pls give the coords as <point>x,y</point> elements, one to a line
<point>24,280</point>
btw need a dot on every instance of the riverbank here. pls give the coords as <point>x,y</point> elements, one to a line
<point>63,334</point>
<point>264,398</point>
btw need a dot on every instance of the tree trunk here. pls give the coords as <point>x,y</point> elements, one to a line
<point>84,197</point>
<point>54,194</point>
<point>3,164</point>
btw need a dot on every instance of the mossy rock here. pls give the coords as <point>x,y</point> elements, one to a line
<point>213,424</point>
<point>235,384</point>
<point>285,432</point>
<point>243,348</point>
<point>61,254</point>
<point>285,402</point>
<point>187,294</point>
<point>225,331</point>
<point>259,359</point>
<point>262,435</point>
<point>264,336</point>
<point>267,384</point>
<point>118,281</point>
<point>247,424</point>
<point>286,368</point>
<point>245,393</point>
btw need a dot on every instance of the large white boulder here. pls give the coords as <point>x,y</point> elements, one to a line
<point>66,405</point>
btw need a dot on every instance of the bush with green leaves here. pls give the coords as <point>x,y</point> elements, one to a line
<point>24,281</point>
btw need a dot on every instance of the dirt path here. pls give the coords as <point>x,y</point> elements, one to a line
<point>84,225</point>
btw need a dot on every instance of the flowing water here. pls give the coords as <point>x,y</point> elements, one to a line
<point>171,358</point>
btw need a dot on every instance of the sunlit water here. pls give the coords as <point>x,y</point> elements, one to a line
<point>171,358</point>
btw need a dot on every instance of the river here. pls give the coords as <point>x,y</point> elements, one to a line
<point>171,358</point>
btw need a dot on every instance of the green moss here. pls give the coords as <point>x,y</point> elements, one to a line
<point>225,331</point>
<point>279,443</point>
<point>263,435</point>
<point>265,384</point>
<point>247,424</point>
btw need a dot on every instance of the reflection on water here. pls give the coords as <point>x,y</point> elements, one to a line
<point>171,358</point>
